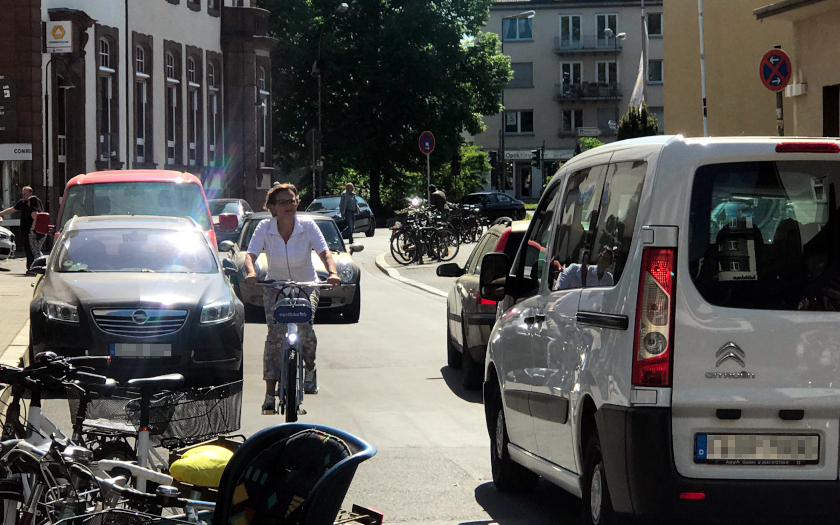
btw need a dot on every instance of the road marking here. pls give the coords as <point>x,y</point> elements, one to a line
<point>391,272</point>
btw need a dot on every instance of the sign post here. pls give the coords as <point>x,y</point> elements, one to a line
<point>59,37</point>
<point>427,146</point>
<point>775,70</point>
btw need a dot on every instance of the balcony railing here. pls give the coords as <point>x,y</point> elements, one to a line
<point>588,91</point>
<point>586,44</point>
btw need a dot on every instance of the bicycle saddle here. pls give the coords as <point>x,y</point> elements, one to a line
<point>97,391</point>
<point>148,385</point>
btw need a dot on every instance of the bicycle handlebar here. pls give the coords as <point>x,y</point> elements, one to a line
<point>297,284</point>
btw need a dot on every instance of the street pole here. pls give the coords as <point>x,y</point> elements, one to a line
<point>702,68</point>
<point>615,80</point>
<point>644,55</point>
<point>428,179</point>
<point>780,110</point>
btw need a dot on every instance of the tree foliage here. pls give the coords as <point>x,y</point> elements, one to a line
<point>390,69</point>
<point>637,122</point>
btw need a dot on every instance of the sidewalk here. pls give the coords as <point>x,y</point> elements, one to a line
<point>424,274</point>
<point>15,295</point>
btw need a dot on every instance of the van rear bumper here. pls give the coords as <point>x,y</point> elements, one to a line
<point>643,481</point>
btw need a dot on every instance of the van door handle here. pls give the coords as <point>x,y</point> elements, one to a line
<point>529,317</point>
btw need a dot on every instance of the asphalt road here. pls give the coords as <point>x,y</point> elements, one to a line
<point>385,379</point>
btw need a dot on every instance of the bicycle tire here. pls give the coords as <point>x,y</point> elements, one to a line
<point>290,394</point>
<point>445,244</point>
<point>403,247</point>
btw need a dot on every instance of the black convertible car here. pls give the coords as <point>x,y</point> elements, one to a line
<point>148,291</point>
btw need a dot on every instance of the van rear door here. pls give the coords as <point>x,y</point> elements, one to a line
<point>756,368</point>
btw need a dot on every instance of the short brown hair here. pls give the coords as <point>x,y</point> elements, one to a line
<point>271,196</point>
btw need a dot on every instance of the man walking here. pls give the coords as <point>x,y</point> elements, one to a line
<point>348,208</point>
<point>26,221</point>
<point>437,199</point>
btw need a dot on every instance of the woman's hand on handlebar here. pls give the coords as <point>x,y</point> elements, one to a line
<point>333,279</point>
<point>251,278</point>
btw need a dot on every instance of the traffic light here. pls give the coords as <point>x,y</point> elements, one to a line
<point>536,158</point>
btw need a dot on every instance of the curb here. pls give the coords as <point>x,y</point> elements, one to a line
<point>15,352</point>
<point>391,272</point>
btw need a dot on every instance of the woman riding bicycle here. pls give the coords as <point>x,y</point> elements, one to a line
<point>288,240</point>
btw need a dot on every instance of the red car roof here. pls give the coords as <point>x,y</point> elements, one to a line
<point>98,177</point>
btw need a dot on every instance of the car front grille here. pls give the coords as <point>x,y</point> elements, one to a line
<point>139,322</point>
<point>5,251</point>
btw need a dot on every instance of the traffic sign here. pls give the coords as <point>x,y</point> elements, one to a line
<point>427,142</point>
<point>589,132</point>
<point>775,70</point>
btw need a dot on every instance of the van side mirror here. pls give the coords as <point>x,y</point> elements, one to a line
<point>494,270</point>
<point>39,265</point>
<point>228,222</point>
<point>449,270</point>
<point>226,246</point>
<point>42,223</point>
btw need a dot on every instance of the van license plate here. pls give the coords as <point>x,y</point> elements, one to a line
<point>756,449</point>
<point>141,350</point>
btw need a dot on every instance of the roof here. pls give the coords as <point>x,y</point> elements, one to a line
<point>503,4</point>
<point>104,177</point>
<point>150,222</point>
<point>782,7</point>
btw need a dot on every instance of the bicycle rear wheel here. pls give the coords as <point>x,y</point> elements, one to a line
<point>290,396</point>
<point>444,244</point>
<point>403,247</point>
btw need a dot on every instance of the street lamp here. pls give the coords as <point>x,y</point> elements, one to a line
<point>316,72</point>
<point>502,164</point>
<point>65,84</point>
<point>258,103</point>
<point>609,33</point>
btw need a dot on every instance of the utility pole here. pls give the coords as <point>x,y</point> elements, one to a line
<point>644,55</point>
<point>702,68</point>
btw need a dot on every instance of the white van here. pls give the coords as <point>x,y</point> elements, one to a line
<point>672,348</point>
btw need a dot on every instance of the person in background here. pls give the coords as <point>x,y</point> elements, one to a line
<point>348,207</point>
<point>26,222</point>
<point>437,199</point>
<point>584,275</point>
<point>36,240</point>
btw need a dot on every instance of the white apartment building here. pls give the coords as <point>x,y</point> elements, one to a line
<point>569,73</point>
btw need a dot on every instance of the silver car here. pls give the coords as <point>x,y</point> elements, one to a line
<point>7,244</point>
<point>345,299</point>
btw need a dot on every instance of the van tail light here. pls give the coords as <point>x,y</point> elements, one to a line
<point>807,147</point>
<point>653,346</point>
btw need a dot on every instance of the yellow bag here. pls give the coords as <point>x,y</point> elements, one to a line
<point>201,466</point>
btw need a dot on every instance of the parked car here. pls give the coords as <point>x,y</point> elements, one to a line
<point>139,192</point>
<point>150,292</point>
<point>238,207</point>
<point>7,244</point>
<point>365,222</point>
<point>345,299</point>
<point>494,204</point>
<point>470,318</point>
<point>665,358</point>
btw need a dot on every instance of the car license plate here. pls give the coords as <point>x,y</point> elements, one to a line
<point>141,350</point>
<point>756,449</point>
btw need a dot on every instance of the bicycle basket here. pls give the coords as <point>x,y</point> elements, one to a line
<point>120,517</point>
<point>293,311</point>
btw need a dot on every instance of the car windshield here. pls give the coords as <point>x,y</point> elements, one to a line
<point>472,199</point>
<point>135,250</point>
<point>328,228</point>
<point>763,235</point>
<point>163,199</point>
<point>220,207</point>
<point>327,203</point>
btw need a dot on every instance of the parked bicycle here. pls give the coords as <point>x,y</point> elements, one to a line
<point>423,235</point>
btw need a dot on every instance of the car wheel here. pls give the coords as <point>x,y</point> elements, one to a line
<point>453,356</point>
<point>508,476</point>
<point>595,501</point>
<point>371,228</point>
<point>353,310</point>
<point>473,370</point>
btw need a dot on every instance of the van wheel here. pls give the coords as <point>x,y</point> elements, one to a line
<point>595,503</point>
<point>508,476</point>
<point>453,356</point>
<point>473,370</point>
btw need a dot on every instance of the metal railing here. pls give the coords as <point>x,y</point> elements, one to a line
<point>585,44</point>
<point>588,91</point>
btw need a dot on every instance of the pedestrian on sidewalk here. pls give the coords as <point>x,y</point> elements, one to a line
<point>26,222</point>
<point>437,199</point>
<point>348,207</point>
<point>36,240</point>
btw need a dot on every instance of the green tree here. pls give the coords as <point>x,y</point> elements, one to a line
<point>465,174</point>
<point>637,122</point>
<point>390,69</point>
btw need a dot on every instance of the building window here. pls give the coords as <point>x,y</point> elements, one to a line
<point>605,116</point>
<point>104,53</point>
<point>195,116</point>
<point>570,32</point>
<point>517,29</point>
<point>654,71</point>
<point>654,24</point>
<point>171,133</point>
<point>139,59</point>
<point>211,4</point>
<point>734,266</point>
<point>192,126</point>
<point>173,113</point>
<point>733,245</point>
<point>263,126</point>
<point>211,75</point>
<point>212,113</point>
<point>570,74</point>
<point>108,138</point>
<point>140,106</point>
<point>572,120</point>
<point>519,121</point>
<point>604,22</point>
<point>191,70</point>
<point>170,66</point>
<point>607,72</point>
<point>523,75</point>
<point>262,79</point>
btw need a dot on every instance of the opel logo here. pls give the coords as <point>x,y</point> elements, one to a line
<point>731,351</point>
<point>140,316</point>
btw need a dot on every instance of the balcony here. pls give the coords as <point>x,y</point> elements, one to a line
<point>591,44</point>
<point>588,91</point>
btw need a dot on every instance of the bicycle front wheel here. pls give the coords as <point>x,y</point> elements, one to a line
<point>445,244</point>
<point>403,247</point>
<point>290,395</point>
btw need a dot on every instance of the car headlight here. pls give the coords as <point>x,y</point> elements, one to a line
<point>63,312</point>
<point>346,272</point>
<point>217,312</point>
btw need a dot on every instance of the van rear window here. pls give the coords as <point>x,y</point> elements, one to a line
<point>766,235</point>
<point>162,199</point>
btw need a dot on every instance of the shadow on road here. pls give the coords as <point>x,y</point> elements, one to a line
<point>453,379</point>
<point>546,503</point>
<point>5,269</point>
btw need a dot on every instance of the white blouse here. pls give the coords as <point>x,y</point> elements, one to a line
<point>292,260</point>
